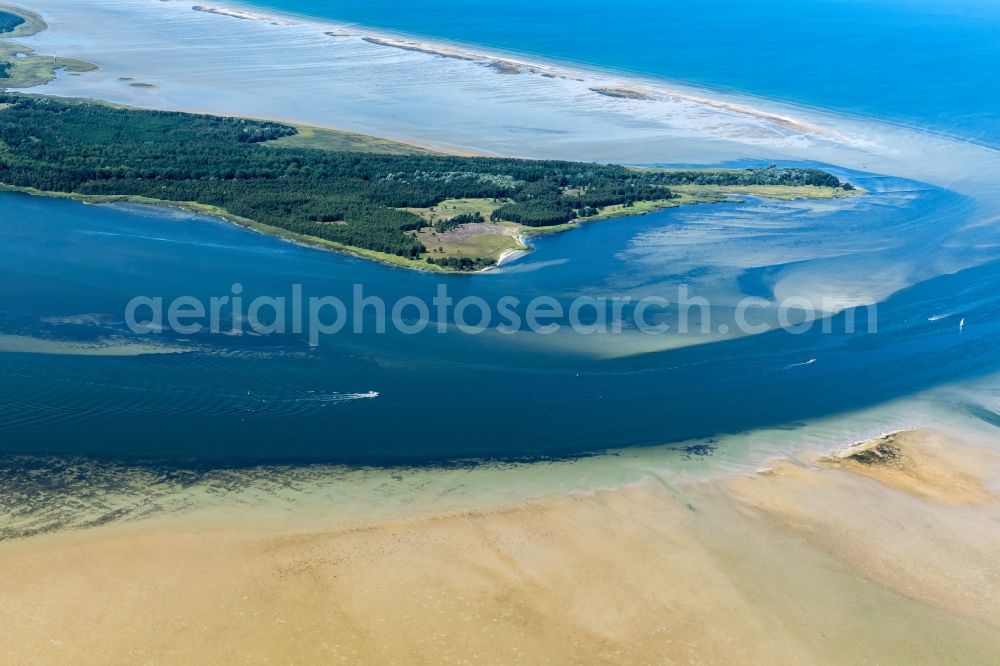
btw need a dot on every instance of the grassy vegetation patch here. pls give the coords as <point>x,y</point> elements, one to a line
<point>781,192</point>
<point>21,67</point>
<point>328,139</point>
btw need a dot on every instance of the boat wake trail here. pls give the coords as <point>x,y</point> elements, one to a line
<point>317,399</point>
<point>28,404</point>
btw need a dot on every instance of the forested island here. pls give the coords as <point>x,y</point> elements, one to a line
<point>20,66</point>
<point>392,206</point>
<point>9,21</point>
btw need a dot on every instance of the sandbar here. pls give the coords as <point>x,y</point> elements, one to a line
<point>805,561</point>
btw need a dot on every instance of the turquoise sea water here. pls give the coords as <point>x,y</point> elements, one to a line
<point>928,63</point>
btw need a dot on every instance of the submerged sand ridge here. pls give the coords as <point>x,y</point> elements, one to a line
<point>911,511</point>
<point>615,90</point>
<point>809,561</point>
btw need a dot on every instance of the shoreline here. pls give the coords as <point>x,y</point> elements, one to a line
<point>854,135</point>
<point>781,562</point>
<point>649,88</point>
<point>624,80</point>
<point>218,213</point>
<point>688,195</point>
<point>683,88</point>
<point>739,102</point>
<point>392,260</point>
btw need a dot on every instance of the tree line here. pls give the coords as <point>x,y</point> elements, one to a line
<point>350,198</point>
<point>772,175</point>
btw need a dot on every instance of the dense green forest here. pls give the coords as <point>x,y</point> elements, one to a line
<point>9,21</point>
<point>346,197</point>
<point>458,220</point>
<point>5,68</point>
<point>769,176</point>
<point>461,263</point>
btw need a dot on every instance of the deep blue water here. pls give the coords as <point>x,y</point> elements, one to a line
<point>929,63</point>
<point>270,398</point>
<point>67,271</point>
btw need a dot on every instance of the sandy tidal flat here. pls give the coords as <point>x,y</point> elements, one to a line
<point>863,559</point>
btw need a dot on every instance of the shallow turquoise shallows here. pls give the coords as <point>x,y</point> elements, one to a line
<point>928,63</point>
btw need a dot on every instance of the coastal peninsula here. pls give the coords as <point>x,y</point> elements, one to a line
<point>411,208</point>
